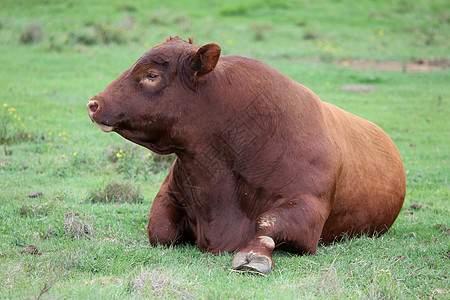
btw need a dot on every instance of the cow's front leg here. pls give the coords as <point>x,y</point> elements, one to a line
<point>164,225</point>
<point>296,224</point>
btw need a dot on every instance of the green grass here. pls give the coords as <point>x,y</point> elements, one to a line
<point>57,151</point>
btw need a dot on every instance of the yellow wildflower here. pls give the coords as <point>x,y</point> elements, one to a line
<point>328,48</point>
<point>12,109</point>
<point>75,153</point>
<point>118,155</point>
<point>149,154</point>
<point>5,105</point>
<point>50,133</point>
<point>63,156</point>
<point>380,32</point>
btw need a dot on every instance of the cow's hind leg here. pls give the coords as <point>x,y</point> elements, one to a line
<point>296,224</point>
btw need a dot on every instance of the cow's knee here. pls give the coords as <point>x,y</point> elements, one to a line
<point>162,235</point>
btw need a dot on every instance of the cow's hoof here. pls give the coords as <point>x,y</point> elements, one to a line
<point>252,263</point>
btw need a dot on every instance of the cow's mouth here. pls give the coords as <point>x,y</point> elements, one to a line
<point>104,127</point>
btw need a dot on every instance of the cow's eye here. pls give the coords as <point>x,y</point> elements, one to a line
<point>150,76</point>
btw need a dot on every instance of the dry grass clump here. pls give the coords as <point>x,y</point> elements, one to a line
<point>31,210</point>
<point>32,34</point>
<point>151,283</point>
<point>75,227</point>
<point>117,192</point>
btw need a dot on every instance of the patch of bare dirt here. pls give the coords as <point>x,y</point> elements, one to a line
<point>416,66</point>
<point>358,88</point>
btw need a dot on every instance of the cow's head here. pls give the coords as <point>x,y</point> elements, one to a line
<point>154,99</point>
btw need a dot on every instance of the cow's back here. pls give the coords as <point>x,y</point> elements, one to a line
<point>370,189</point>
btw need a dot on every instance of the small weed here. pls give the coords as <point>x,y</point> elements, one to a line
<point>53,274</point>
<point>184,22</point>
<point>326,57</point>
<point>51,232</point>
<point>100,33</point>
<point>151,283</point>
<point>126,7</point>
<point>160,18</point>
<point>132,161</point>
<point>81,161</point>
<point>310,36</point>
<point>31,35</point>
<point>260,30</point>
<point>76,227</point>
<point>29,211</point>
<point>117,192</point>
<point>54,44</point>
<point>327,51</point>
<point>166,18</point>
<point>160,163</point>
<point>235,10</point>
<point>12,129</point>
<point>369,78</point>
<point>19,241</point>
<point>128,23</point>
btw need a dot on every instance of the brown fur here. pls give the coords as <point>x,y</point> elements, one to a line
<point>258,154</point>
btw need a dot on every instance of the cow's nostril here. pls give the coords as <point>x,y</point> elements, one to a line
<point>92,106</point>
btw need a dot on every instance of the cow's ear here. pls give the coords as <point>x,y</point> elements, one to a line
<point>205,60</point>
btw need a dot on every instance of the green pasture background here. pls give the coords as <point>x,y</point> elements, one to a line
<point>55,55</point>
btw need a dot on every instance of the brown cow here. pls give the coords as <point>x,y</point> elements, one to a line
<point>261,160</point>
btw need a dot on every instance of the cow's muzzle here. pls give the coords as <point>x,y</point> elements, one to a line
<point>93,108</point>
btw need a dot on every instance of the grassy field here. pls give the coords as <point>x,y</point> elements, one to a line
<point>81,196</point>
